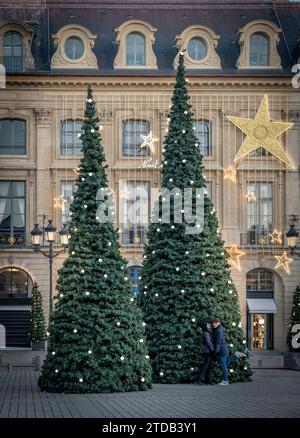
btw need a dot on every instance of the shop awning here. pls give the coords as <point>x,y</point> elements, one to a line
<point>261,305</point>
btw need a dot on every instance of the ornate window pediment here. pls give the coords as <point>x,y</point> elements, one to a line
<point>15,46</point>
<point>135,39</point>
<point>198,43</point>
<point>74,44</point>
<point>258,42</point>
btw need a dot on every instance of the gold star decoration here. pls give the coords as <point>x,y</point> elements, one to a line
<point>59,202</point>
<point>235,255</point>
<point>230,173</point>
<point>76,171</point>
<point>148,141</point>
<point>251,197</point>
<point>276,237</point>
<point>261,132</point>
<point>283,261</point>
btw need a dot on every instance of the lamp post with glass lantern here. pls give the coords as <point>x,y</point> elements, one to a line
<point>50,232</point>
<point>292,235</point>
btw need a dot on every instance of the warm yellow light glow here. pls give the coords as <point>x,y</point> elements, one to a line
<point>283,262</point>
<point>261,132</point>
<point>235,255</point>
<point>230,174</point>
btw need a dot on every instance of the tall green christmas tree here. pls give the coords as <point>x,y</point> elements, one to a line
<point>96,333</point>
<point>37,321</point>
<point>186,276</point>
<point>295,319</point>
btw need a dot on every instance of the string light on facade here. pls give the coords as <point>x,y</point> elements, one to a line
<point>276,237</point>
<point>230,174</point>
<point>283,262</point>
<point>59,202</point>
<point>148,141</point>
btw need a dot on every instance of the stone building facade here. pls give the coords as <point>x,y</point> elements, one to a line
<point>235,54</point>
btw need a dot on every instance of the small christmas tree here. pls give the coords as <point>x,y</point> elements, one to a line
<point>186,277</point>
<point>96,341</point>
<point>37,321</point>
<point>295,319</point>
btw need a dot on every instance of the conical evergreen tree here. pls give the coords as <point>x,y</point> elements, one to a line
<point>186,277</point>
<point>37,321</point>
<point>295,319</point>
<point>96,341</point>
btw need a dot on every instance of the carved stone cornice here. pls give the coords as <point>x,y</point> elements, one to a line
<point>43,117</point>
<point>105,115</point>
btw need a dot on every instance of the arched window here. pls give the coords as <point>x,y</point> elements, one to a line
<point>135,49</point>
<point>261,309</point>
<point>71,131</point>
<point>12,137</point>
<point>134,274</point>
<point>259,49</point>
<point>132,131</point>
<point>12,51</point>
<point>260,281</point>
<point>203,134</point>
<point>14,283</point>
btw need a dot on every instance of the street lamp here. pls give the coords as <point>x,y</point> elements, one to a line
<point>50,233</point>
<point>292,235</point>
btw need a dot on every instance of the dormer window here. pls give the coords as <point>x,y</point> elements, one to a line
<point>135,49</point>
<point>74,44</point>
<point>259,49</point>
<point>74,48</point>
<point>258,42</point>
<point>12,52</point>
<point>198,44</point>
<point>135,40</point>
<point>15,46</point>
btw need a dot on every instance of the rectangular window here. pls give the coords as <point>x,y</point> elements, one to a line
<point>12,208</point>
<point>66,191</point>
<point>132,140</point>
<point>259,212</point>
<point>134,211</point>
<point>12,137</point>
<point>203,134</point>
<point>71,143</point>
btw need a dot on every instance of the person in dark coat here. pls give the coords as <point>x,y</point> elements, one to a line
<point>205,375</point>
<point>220,347</point>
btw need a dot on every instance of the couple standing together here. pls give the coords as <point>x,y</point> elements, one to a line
<point>213,345</point>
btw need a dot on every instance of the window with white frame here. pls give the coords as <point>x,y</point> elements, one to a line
<point>135,49</point>
<point>131,138</point>
<point>259,211</point>
<point>12,137</point>
<point>66,192</point>
<point>134,211</point>
<point>203,134</point>
<point>71,143</point>
<point>259,49</point>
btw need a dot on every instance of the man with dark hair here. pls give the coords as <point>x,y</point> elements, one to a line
<point>220,347</point>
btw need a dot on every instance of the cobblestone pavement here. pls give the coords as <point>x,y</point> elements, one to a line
<point>271,394</point>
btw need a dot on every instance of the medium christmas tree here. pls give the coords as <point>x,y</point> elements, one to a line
<point>96,333</point>
<point>37,322</point>
<point>295,319</point>
<point>186,276</point>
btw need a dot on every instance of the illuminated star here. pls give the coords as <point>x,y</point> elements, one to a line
<point>261,132</point>
<point>76,171</point>
<point>148,141</point>
<point>276,237</point>
<point>59,202</point>
<point>283,262</point>
<point>230,174</point>
<point>251,197</point>
<point>235,255</point>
